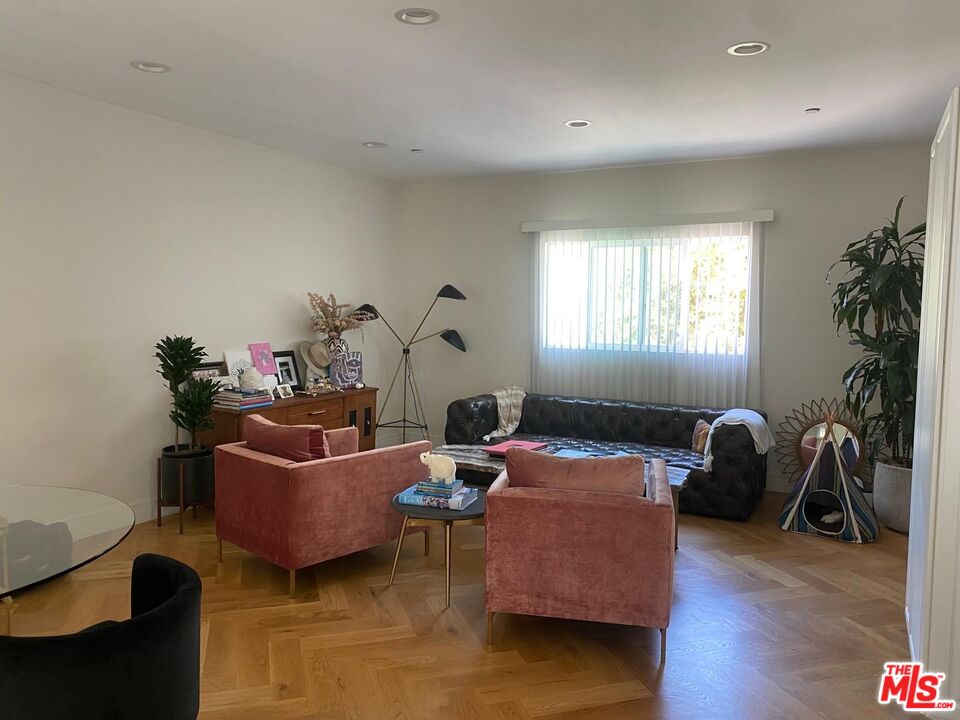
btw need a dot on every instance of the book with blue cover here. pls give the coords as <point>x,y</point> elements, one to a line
<point>460,500</point>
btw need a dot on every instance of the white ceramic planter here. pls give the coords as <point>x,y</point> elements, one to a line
<point>891,496</point>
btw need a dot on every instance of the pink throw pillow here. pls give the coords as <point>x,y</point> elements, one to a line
<point>299,443</point>
<point>616,474</point>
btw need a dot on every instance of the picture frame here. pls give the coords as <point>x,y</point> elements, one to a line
<point>231,357</point>
<point>269,390</point>
<point>262,355</point>
<point>285,391</point>
<point>288,372</point>
<point>209,370</point>
<point>346,369</point>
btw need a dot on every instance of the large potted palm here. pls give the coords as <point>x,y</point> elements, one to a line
<point>191,403</point>
<point>877,301</point>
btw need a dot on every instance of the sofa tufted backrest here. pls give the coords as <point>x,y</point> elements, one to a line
<point>613,420</point>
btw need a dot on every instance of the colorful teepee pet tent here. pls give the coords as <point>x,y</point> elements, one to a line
<point>827,501</point>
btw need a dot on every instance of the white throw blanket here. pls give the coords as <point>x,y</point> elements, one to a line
<point>509,406</point>
<point>754,422</point>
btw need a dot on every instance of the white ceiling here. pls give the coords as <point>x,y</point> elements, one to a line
<point>488,87</point>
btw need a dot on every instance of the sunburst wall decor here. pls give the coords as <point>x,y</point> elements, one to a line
<point>796,425</point>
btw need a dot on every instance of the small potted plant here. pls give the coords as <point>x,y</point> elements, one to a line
<point>877,301</point>
<point>192,401</point>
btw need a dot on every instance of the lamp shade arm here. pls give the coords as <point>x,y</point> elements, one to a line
<point>425,315</point>
<point>390,328</point>
<point>427,337</point>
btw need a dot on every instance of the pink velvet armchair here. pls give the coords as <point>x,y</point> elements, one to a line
<point>299,514</point>
<point>582,542</point>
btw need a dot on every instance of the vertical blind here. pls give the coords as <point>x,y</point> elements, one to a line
<point>659,314</point>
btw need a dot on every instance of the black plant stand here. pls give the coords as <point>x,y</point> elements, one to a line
<point>187,481</point>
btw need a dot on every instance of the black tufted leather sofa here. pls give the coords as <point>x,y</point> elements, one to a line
<point>653,430</point>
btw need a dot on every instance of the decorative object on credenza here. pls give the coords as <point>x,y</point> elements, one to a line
<point>346,369</point>
<point>237,362</point>
<point>185,470</point>
<point>320,386</point>
<point>331,319</point>
<point>877,301</point>
<point>285,391</point>
<point>414,417</point>
<point>316,356</point>
<point>262,355</point>
<point>801,430</point>
<point>251,379</point>
<point>288,372</point>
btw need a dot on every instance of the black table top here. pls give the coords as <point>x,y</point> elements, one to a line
<point>471,512</point>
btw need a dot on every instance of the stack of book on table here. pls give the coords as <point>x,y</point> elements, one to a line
<point>243,399</point>
<point>434,493</point>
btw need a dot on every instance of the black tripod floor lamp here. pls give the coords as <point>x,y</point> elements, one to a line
<point>414,417</point>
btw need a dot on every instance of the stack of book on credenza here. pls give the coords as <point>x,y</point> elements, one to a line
<point>434,493</point>
<point>243,399</point>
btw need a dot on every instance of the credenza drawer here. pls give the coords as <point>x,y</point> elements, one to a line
<point>328,413</point>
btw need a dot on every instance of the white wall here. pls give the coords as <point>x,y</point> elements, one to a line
<point>467,233</point>
<point>118,228</point>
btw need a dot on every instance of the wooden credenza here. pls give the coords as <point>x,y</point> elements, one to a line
<point>346,408</point>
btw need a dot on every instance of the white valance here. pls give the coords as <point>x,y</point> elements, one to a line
<point>639,221</point>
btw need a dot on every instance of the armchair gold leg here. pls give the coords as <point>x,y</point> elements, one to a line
<point>489,628</point>
<point>396,556</point>
<point>426,541</point>
<point>293,583</point>
<point>663,645</point>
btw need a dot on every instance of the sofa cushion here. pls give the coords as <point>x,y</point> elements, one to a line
<point>700,433</point>
<point>299,443</point>
<point>616,474</point>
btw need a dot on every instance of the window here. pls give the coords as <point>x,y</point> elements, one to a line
<point>627,300</point>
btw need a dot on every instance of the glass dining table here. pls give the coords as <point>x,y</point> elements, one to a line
<point>48,531</point>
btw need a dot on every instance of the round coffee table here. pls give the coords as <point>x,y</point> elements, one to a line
<point>416,516</point>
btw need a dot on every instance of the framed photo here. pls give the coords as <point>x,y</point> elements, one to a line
<point>285,391</point>
<point>271,391</point>
<point>209,371</point>
<point>287,370</point>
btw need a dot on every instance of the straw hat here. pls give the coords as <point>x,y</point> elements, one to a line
<point>316,355</point>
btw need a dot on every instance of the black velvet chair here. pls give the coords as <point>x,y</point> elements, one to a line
<point>145,668</point>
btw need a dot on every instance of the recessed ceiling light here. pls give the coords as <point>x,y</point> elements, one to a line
<point>374,144</point>
<point>578,123</point>
<point>416,150</point>
<point>417,16</point>
<point>150,67</point>
<point>811,110</point>
<point>746,49</point>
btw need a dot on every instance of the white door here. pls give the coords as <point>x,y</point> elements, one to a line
<point>932,571</point>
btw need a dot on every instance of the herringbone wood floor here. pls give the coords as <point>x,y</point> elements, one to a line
<point>766,624</point>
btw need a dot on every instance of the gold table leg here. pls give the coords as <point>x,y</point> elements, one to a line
<point>447,527</point>
<point>396,557</point>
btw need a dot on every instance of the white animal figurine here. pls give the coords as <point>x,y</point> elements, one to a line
<point>441,467</point>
